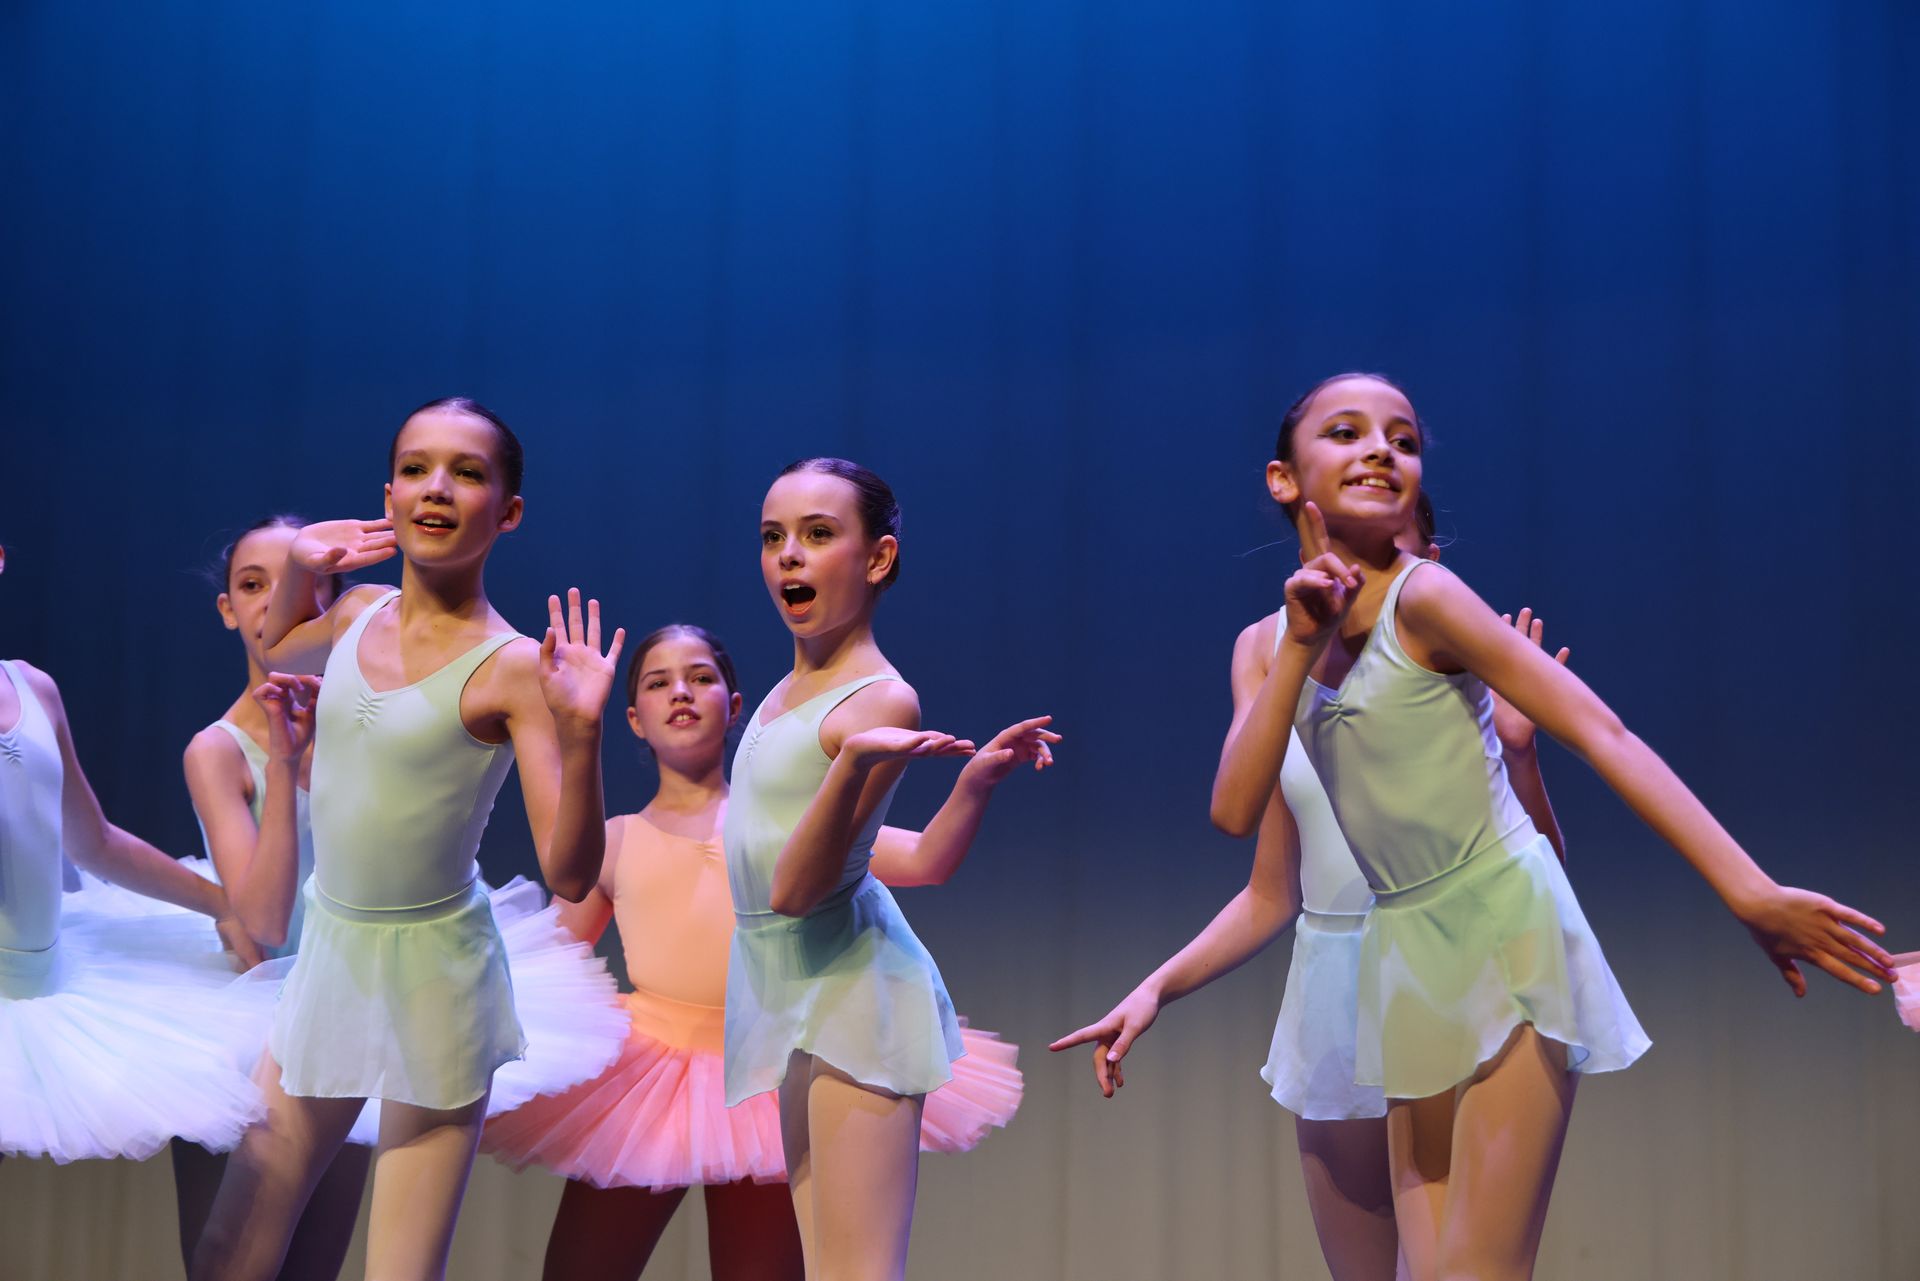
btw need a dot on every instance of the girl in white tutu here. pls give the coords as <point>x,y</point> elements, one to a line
<point>118,1031</point>
<point>1482,992</point>
<point>1304,875</point>
<point>634,1139</point>
<point>830,998</point>
<point>400,990</point>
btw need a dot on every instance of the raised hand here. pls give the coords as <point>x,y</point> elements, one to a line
<point>1321,591</point>
<point>870,747</point>
<point>1793,925</point>
<point>575,677</point>
<point>1509,722</point>
<point>1016,745</point>
<point>342,546</point>
<point>289,703</point>
<point>1113,1036</point>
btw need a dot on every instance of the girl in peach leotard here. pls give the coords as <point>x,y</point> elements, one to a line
<point>656,1123</point>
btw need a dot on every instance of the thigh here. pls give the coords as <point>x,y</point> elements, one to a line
<point>864,1147</point>
<point>794,1143</point>
<point>607,1234</point>
<point>1509,1126</point>
<point>325,1229</point>
<point>268,1181</point>
<point>419,1178</point>
<point>1420,1161</point>
<point>752,1234</point>
<point>1350,1192</point>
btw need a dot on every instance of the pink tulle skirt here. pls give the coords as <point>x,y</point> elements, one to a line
<point>1906,988</point>
<point>658,1117</point>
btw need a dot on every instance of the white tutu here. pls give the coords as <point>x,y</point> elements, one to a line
<point>1310,1064</point>
<point>104,898</point>
<point>1450,967</point>
<point>128,1032</point>
<point>418,1005</point>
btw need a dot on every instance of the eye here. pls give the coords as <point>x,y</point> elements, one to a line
<point>411,469</point>
<point>769,537</point>
<point>656,683</point>
<point>819,533</point>
<point>704,678</point>
<point>1341,431</point>
<point>1409,444</point>
<point>471,473</point>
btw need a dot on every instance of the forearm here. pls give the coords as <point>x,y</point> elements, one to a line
<point>294,602</point>
<point>263,894</point>
<point>126,860</point>
<point>809,864</point>
<point>1655,793</point>
<point>943,846</point>
<point>1256,748</point>
<point>578,839</point>
<point>1530,788</point>
<point>1241,930</point>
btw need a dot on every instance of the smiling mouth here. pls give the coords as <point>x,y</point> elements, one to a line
<point>434,524</point>
<point>1371,482</point>
<point>684,718</point>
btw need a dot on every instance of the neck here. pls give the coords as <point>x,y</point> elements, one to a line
<point>690,786</point>
<point>456,590</point>
<point>1361,545</point>
<point>832,650</point>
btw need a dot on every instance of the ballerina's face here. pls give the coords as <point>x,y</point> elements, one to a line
<point>1356,456</point>
<point>255,570</point>
<point>448,499</point>
<point>683,708</point>
<point>820,566</point>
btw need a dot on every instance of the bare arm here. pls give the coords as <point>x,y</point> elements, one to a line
<point>1442,614</point>
<point>297,633</point>
<point>116,855</point>
<point>587,920</point>
<point>556,696</point>
<point>903,858</point>
<point>1242,929</point>
<point>258,865</point>
<point>1521,751</point>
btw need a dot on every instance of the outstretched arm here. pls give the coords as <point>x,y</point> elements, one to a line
<point>902,857</point>
<point>117,855</point>
<point>554,721</point>
<point>1442,614</point>
<point>1242,929</point>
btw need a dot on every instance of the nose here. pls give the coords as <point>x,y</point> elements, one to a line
<point>439,486</point>
<point>682,692</point>
<point>790,553</point>
<point>1379,450</point>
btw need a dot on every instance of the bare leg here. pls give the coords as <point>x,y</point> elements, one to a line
<point>419,1178</point>
<point>325,1230</point>
<point>608,1234</point>
<point>1510,1124</point>
<point>196,1181</point>
<point>1350,1191</point>
<point>864,1152</point>
<point>268,1180</point>
<point>1420,1156</point>
<point>796,1142</point>
<point>751,1233</point>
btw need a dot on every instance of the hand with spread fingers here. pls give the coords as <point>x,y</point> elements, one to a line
<point>891,743</point>
<point>1113,1036</point>
<point>1028,741</point>
<point>1794,925</point>
<point>342,546</point>
<point>575,677</point>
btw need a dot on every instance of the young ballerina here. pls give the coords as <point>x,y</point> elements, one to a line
<point>259,754</point>
<point>831,1000</point>
<point>1482,992</point>
<point>1304,875</point>
<point>400,990</point>
<point>118,1031</point>
<point>632,1141</point>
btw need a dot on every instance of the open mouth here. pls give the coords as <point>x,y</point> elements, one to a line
<point>1371,482</point>
<point>434,524</point>
<point>683,718</point>
<point>797,598</point>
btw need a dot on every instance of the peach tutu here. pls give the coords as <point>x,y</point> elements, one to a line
<point>658,1117</point>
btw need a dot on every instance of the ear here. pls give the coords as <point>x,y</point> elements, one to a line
<point>3,560</point>
<point>734,705</point>
<point>224,604</point>
<point>633,723</point>
<point>1432,552</point>
<point>388,488</point>
<point>510,518</point>
<point>1282,483</point>
<point>880,562</point>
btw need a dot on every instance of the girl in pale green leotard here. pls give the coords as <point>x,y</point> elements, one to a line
<point>432,696</point>
<point>232,777</point>
<point>830,997</point>
<point>1482,991</point>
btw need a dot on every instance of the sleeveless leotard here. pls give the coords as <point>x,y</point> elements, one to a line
<point>401,988</point>
<point>1475,928</point>
<point>118,1031</point>
<point>675,914</point>
<point>256,757</point>
<point>1310,1061</point>
<point>848,982</point>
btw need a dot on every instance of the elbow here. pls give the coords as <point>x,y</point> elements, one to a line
<point>573,889</point>
<point>1230,820</point>
<point>269,937</point>
<point>787,900</point>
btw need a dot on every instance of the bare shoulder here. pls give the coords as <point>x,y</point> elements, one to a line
<point>212,747</point>
<point>891,702</point>
<point>353,602</point>
<point>1429,598</point>
<point>507,682</point>
<point>1253,648</point>
<point>43,688</point>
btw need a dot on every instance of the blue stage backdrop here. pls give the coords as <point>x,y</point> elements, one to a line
<point>1649,270</point>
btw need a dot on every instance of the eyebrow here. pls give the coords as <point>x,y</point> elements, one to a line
<point>661,671</point>
<point>1361,413</point>
<point>804,519</point>
<point>464,456</point>
<point>244,569</point>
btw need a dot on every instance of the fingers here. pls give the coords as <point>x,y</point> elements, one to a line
<point>548,644</point>
<point>613,650</point>
<point>1845,973</point>
<point>556,625</point>
<point>593,626</point>
<point>1562,657</point>
<point>1091,1032</point>
<point>1858,920</point>
<point>576,626</point>
<point>1791,973</point>
<point>1313,534</point>
<point>1348,576</point>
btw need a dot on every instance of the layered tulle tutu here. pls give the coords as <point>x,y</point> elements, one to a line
<point>1450,967</point>
<point>1906,988</point>
<point>130,1031</point>
<point>658,1117</point>
<point>424,1005</point>
<point>1310,1062</point>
